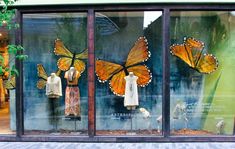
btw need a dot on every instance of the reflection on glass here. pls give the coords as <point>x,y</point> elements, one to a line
<point>129,73</point>
<point>55,80</point>
<point>202,74</point>
<point>7,85</point>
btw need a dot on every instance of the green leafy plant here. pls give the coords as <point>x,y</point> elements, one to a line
<point>7,15</point>
<point>7,23</point>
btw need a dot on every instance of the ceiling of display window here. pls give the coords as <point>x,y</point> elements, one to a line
<point>45,2</point>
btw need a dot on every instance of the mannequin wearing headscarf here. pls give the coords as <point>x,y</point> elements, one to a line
<point>72,94</point>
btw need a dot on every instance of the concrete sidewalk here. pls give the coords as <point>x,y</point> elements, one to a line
<point>53,145</point>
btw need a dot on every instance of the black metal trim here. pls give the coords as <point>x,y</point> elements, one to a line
<point>166,73</point>
<point>127,7</point>
<point>19,82</point>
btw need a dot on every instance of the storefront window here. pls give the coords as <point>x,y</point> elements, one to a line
<point>128,51</point>
<point>55,74</point>
<point>202,73</point>
<point>7,84</point>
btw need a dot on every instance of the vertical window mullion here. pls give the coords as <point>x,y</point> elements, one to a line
<point>91,72</point>
<point>19,81</point>
<point>166,73</point>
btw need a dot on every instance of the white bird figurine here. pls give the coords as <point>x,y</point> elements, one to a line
<point>220,126</point>
<point>145,113</point>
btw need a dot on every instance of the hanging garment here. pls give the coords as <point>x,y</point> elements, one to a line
<point>54,113</point>
<point>72,102</point>
<point>72,95</point>
<point>131,92</point>
<point>53,86</point>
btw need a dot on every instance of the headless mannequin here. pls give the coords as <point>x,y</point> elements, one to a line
<point>53,86</point>
<point>54,91</point>
<point>72,95</point>
<point>131,92</point>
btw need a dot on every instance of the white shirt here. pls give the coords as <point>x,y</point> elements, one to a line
<point>53,86</point>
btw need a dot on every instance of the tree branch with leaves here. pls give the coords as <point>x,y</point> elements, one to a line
<point>8,52</point>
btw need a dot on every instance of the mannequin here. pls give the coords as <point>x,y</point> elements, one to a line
<point>131,92</point>
<point>54,91</point>
<point>53,86</point>
<point>72,95</point>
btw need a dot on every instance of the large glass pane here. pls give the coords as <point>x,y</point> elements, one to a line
<point>202,73</point>
<point>55,75</point>
<point>129,78</point>
<point>7,84</point>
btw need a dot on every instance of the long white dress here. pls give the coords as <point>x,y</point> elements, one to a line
<point>131,92</point>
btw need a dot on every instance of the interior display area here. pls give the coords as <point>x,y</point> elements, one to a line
<point>129,75</point>
<point>55,90</point>
<point>107,74</point>
<point>201,73</point>
<point>7,84</point>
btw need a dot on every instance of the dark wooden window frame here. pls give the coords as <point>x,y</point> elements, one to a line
<point>166,8</point>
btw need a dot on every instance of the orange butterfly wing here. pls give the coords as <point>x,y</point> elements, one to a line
<point>184,53</point>
<point>83,55</point>
<point>105,70</point>
<point>64,63</point>
<point>61,50</point>
<point>193,43</point>
<point>191,53</point>
<point>79,65</point>
<point>118,83</point>
<point>138,53</point>
<point>207,64</point>
<point>196,48</point>
<point>143,73</point>
<point>41,72</point>
<point>41,83</point>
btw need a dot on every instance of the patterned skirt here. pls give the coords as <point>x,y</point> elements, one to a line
<point>72,102</point>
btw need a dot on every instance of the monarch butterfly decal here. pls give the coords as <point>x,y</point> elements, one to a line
<point>69,59</point>
<point>191,52</point>
<point>115,73</point>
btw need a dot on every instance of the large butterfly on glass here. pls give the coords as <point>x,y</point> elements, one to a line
<point>191,52</point>
<point>115,73</point>
<point>43,76</point>
<point>69,59</point>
